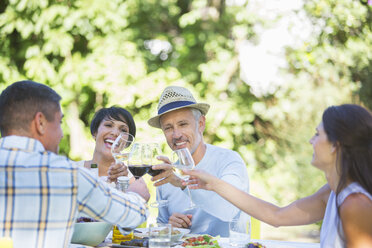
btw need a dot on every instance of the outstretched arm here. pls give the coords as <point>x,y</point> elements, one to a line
<point>303,211</point>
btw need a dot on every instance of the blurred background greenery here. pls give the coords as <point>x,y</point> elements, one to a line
<point>268,69</point>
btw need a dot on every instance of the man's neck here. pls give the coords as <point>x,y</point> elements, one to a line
<point>199,152</point>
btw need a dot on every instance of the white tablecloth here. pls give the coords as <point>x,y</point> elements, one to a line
<point>224,243</point>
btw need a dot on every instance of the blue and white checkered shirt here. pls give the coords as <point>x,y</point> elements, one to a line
<point>41,194</point>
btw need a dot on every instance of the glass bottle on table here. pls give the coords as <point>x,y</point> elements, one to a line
<point>122,184</point>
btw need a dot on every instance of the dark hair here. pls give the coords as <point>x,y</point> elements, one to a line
<point>349,128</point>
<point>20,101</point>
<point>113,113</point>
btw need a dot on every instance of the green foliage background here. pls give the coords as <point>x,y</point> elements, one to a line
<point>96,53</point>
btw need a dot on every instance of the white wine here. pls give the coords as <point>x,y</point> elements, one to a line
<point>121,157</point>
<point>178,170</point>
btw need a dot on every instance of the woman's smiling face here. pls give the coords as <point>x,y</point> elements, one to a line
<point>106,134</point>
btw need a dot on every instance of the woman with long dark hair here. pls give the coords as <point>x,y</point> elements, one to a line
<point>343,150</point>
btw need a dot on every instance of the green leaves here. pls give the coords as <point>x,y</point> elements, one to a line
<point>101,53</point>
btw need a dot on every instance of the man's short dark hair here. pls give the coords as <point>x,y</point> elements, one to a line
<point>113,113</point>
<point>20,102</point>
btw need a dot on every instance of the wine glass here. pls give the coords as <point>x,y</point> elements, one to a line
<point>139,160</point>
<point>184,161</point>
<point>120,147</point>
<point>154,151</point>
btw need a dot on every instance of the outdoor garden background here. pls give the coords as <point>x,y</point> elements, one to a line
<point>267,68</point>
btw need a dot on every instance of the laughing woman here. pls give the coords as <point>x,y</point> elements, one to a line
<point>106,125</point>
<point>343,151</point>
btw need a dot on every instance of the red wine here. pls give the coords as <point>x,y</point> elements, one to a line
<point>139,170</point>
<point>154,172</point>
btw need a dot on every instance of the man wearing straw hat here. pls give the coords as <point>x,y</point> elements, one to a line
<point>182,121</point>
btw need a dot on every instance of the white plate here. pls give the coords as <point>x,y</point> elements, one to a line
<point>144,232</point>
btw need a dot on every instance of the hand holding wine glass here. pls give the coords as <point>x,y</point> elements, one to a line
<point>116,170</point>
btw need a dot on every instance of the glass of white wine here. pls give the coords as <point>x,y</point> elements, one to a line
<point>120,147</point>
<point>183,161</point>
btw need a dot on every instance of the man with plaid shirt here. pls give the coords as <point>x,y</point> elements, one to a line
<point>41,193</point>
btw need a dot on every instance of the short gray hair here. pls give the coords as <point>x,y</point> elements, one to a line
<point>196,113</point>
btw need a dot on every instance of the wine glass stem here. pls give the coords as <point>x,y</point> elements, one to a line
<point>192,204</point>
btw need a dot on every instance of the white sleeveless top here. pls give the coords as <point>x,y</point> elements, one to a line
<point>329,236</point>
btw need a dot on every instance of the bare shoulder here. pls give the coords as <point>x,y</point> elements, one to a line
<point>356,218</point>
<point>356,204</point>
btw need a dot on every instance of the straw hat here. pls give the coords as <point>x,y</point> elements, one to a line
<point>175,97</point>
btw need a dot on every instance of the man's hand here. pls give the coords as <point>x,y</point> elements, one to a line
<point>180,220</point>
<point>167,176</point>
<point>115,171</point>
<point>139,186</point>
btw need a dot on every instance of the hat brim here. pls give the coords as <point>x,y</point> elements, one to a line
<point>203,107</point>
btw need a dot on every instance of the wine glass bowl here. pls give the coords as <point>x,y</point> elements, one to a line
<point>139,160</point>
<point>182,161</point>
<point>155,151</point>
<point>120,147</point>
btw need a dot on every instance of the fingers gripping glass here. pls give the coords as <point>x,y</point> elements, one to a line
<point>121,146</point>
<point>183,161</point>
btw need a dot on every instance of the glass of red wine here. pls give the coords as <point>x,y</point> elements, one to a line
<point>139,162</point>
<point>141,159</point>
<point>155,151</point>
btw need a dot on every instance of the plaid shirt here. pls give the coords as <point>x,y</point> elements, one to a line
<point>41,194</point>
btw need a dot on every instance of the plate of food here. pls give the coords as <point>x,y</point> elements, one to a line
<point>201,241</point>
<point>177,233</point>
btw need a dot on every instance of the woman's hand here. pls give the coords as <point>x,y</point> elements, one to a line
<point>199,180</point>
<point>115,171</point>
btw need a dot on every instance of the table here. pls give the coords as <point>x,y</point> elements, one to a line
<point>224,243</point>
